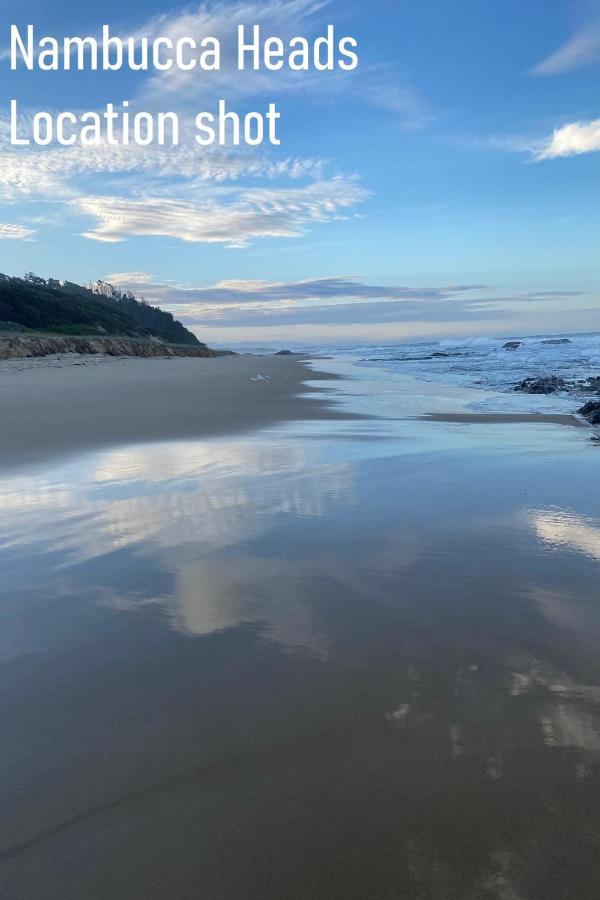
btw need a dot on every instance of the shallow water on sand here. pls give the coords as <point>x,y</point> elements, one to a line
<point>333,659</point>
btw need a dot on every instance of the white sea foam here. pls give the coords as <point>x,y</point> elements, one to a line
<point>483,363</point>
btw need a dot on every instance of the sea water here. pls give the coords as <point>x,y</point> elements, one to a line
<point>484,364</point>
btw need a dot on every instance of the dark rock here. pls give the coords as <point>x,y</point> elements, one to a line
<point>591,411</point>
<point>512,345</point>
<point>545,385</point>
<point>441,355</point>
<point>590,407</point>
<point>284,353</point>
<point>555,342</point>
<point>593,384</point>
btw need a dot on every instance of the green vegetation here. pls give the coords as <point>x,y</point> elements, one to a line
<point>61,307</point>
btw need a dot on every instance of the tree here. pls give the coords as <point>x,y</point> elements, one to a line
<point>32,278</point>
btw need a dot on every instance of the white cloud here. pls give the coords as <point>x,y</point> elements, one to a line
<point>102,238</point>
<point>571,140</point>
<point>219,218</point>
<point>16,232</point>
<point>63,172</point>
<point>131,190</point>
<point>149,190</point>
<point>131,279</point>
<point>580,50</point>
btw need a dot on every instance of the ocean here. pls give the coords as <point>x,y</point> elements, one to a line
<point>484,364</point>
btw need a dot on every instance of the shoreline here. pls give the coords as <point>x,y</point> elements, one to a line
<point>61,405</point>
<point>57,406</point>
<point>506,419</point>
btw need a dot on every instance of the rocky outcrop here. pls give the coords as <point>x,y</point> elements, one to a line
<point>593,384</point>
<point>591,412</point>
<point>512,345</point>
<point>556,342</point>
<point>549,384</point>
<point>22,346</point>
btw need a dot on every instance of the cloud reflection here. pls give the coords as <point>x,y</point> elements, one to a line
<point>567,726</point>
<point>170,495</point>
<point>182,508</point>
<point>566,528</point>
<point>216,594</point>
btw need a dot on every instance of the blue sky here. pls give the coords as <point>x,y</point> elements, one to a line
<point>447,187</point>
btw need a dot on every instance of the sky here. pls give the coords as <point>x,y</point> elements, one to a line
<point>447,187</point>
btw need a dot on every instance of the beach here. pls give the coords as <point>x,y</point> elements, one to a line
<point>59,405</point>
<point>299,451</point>
<point>326,635</point>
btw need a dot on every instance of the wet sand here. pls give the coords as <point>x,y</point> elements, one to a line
<point>53,406</point>
<point>506,418</point>
<point>329,659</point>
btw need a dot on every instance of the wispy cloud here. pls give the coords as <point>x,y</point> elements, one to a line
<point>239,292</point>
<point>65,171</point>
<point>396,305</point>
<point>129,280</point>
<point>102,238</point>
<point>335,300</point>
<point>251,214</point>
<point>381,88</point>
<point>16,232</point>
<point>372,312</point>
<point>376,84</point>
<point>132,190</point>
<point>581,49</point>
<point>284,18</point>
<point>344,307</point>
<point>225,195</point>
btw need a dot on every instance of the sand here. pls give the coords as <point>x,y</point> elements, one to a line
<point>61,405</point>
<point>322,660</point>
